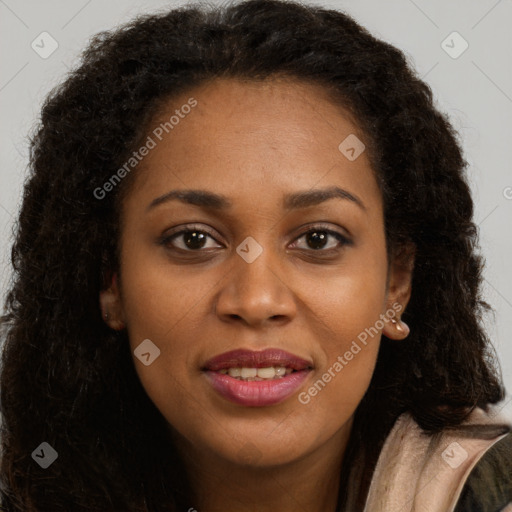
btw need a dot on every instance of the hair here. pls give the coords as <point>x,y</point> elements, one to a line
<point>69,380</point>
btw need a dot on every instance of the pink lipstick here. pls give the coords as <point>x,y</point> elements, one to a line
<point>256,379</point>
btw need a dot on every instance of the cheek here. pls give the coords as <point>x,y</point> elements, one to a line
<point>352,329</point>
<point>348,315</point>
<point>160,298</point>
<point>163,306</point>
<point>350,299</point>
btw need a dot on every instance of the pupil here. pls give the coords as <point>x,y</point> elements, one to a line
<point>194,240</point>
<point>318,239</point>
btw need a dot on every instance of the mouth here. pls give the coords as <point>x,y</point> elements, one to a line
<point>256,379</point>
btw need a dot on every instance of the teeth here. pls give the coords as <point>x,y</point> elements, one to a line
<point>235,372</point>
<point>266,373</point>
<point>249,372</point>
<point>255,374</point>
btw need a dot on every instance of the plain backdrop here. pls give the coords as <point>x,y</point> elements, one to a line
<point>470,73</point>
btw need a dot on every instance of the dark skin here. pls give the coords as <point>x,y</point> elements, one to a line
<point>256,142</point>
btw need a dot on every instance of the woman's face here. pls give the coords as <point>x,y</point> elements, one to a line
<point>247,275</point>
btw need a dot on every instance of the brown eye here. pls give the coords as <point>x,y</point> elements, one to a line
<point>318,239</point>
<point>188,240</point>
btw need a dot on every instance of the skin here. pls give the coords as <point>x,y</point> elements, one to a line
<point>254,142</point>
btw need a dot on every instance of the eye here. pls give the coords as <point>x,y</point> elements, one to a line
<point>191,239</point>
<point>317,239</point>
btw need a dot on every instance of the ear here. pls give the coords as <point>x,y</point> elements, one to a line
<point>111,307</point>
<point>399,291</point>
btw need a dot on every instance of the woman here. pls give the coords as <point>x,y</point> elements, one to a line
<point>247,278</point>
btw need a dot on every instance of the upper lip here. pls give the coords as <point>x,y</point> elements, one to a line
<point>242,358</point>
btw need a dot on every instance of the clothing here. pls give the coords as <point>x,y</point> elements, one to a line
<point>485,490</point>
<point>468,469</point>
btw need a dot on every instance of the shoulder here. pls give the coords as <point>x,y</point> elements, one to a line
<point>488,487</point>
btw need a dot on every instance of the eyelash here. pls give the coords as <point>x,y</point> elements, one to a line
<point>166,239</point>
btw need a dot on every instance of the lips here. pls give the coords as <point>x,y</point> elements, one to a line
<point>256,393</point>
<point>263,359</point>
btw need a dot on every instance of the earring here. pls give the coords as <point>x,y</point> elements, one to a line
<point>106,316</point>
<point>400,325</point>
<point>397,324</point>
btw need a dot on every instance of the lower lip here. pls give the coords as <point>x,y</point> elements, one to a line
<point>256,393</point>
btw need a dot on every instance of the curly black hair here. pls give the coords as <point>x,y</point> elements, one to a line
<point>69,380</point>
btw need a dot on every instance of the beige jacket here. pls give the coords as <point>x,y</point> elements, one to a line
<point>420,473</point>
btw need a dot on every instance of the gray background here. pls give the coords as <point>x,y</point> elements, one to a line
<point>474,89</point>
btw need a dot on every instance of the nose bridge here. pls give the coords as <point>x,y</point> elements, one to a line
<point>254,290</point>
<point>255,263</point>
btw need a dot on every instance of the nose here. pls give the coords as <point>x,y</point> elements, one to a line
<point>256,293</point>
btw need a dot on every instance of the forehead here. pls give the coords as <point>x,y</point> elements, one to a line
<point>244,136</point>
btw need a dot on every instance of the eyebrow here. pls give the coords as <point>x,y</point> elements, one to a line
<point>296,200</point>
